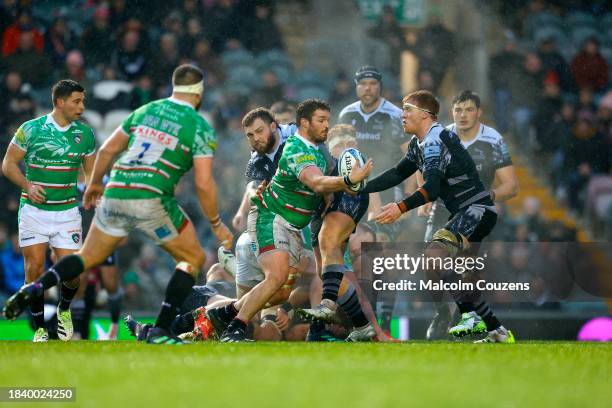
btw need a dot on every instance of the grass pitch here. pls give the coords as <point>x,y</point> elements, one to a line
<point>292,375</point>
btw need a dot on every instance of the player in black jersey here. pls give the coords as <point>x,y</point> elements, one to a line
<point>378,126</point>
<point>449,173</point>
<point>494,165</point>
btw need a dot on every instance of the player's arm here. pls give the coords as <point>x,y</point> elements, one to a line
<point>112,147</point>
<point>88,165</point>
<point>506,184</point>
<point>10,168</point>
<point>206,189</point>
<point>392,177</point>
<point>239,220</point>
<point>313,178</point>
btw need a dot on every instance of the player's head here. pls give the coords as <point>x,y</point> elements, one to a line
<point>420,108</point>
<point>284,112</point>
<point>260,128</point>
<point>368,81</point>
<point>68,99</point>
<point>466,110</point>
<point>341,137</point>
<point>312,118</point>
<point>188,83</point>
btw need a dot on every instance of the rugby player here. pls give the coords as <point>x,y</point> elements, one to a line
<point>378,126</point>
<point>158,143</point>
<point>54,147</point>
<point>285,207</point>
<point>449,173</point>
<point>492,158</point>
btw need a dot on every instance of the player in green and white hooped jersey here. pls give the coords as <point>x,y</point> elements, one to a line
<point>53,147</point>
<point>285,207</point>
<point>158,143</point>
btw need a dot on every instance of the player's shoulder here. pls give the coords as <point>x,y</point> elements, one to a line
<point>34,123</point>
<point>491,135</point>
<point>354,107</point>
<point>389,108</point>
<point>82,127</point>
<point>286,131</point>
<point>436,134</point>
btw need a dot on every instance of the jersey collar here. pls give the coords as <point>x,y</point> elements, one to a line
<point>179,102</point>
<point>306,141</point>
<point>474,140</point>
<point>50,120</point>
<point>433,125</point>
<point>366,116</point>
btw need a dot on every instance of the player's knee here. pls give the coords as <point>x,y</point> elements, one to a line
<point>198,259</point>
<point>34,268</point>
<point>215,273</point>
<point>277,278</point>
<point>450,241</point>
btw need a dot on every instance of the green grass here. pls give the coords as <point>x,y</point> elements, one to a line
<point>291,375</point>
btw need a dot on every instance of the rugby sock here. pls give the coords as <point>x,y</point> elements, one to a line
<point>466,307</point>
<point>228,312</point>
<point>78,317</point>
<point>183,324</point>
<point>114,305</point>
<point>236,324</point>
<point>386,312</point>
<point>66,269</point>
<point>484,310</point>
<point>66,295</point>
<point>37,308</point>
<point>332,277</point>
<point>177,290</point>
<point>368,291</point>
<point>349,302</point>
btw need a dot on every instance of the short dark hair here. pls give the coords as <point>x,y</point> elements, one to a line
<point>424,100</point>
<point>64,88</point>
<point>306,109</point>
<point>187,74</point>
<point>258,113</point>
<point>465,96</point>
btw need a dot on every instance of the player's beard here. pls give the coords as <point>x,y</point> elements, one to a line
<point>271,142</point>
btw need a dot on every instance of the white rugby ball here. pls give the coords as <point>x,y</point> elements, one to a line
<point>346,161</point>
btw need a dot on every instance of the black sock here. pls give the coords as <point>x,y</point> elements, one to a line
<point>236,324</point>
<point>66,269</point>
<point>484,310</point>
<point>386,310</point>
<point>349,302</point>
<point>66,296</point>
<point>37,309</point>
<point>183,324</point>
<point>368,292</point>
<point>114,305</point>
<point>78,317</point>
<point>228,312</point>
<point>466,307</point>
<point>178,288</point>
<point>332,277</point>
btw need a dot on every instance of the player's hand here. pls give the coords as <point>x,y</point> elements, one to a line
<point>36,193</point>
<point>425,209</point>
<point>282,319</point>
<point>261,188</point>
<point>360,173</point>
<point>239,222</point>
<point>224,235</point>
<point>92,195</point>
<point>389,213</point>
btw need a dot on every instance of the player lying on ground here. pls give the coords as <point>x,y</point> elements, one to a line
<point>158,143</point>
<point>449,173</point>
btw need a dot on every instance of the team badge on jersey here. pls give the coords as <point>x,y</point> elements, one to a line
<point>76,237</point>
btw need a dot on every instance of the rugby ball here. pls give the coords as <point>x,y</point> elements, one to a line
<point>346,161</point>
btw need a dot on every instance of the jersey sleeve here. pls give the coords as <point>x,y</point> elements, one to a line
<point>20,139</point>
<point>205,141</point>
<point>434,152</point>
<point>501,155</point>
<point>126,125</point>
<point>298,160</point>
<point>91,147</point>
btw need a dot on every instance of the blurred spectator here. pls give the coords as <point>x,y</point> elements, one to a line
<point>553,61</point>
<point>343,92</point>
<point>554,138</point>
<point>33,66</point>
<point>587,153</point>
<point>224,24</point>
<point>166,60</point>
<point>531,225</point>
<point>11,39</point>
<point>204,57</point>
<point>8,14</point>
<point>74,69</point>
<point>118,14</point>
<point>548,106</point>
<point>436,48</point>
<point>11,263</point>
<point>505,70</point>
<point>388,30</point>
<point>284,112</point>
<point>589,67</point>
<point>192,35</point>
<point>259,32</point>
<point>142,92</point>
<point>130,58</point>
<point>271,89</point>
<point>97,41</point>
<point>59,40</point>
<point>173,23</point>
<point>16,102</point>
<point>525,95</point>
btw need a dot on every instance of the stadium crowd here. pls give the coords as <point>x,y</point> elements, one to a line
<point>123,52</point>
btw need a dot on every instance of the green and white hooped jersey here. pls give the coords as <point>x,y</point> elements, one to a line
<point>286,195</point>
<point>164,138</point>
<point>53,158</point>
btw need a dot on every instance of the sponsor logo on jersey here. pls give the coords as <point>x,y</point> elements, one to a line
<point>155,135</point>
<point>26,238</point>
<point>431,151</point>
<point>162,232</point>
